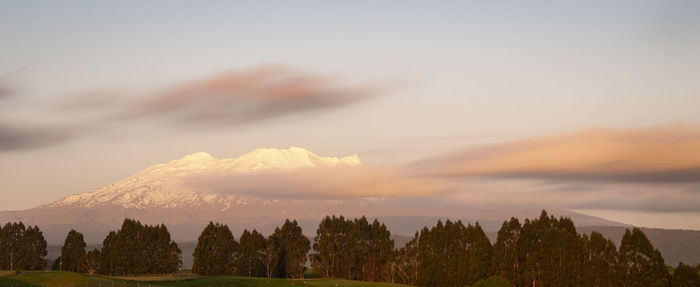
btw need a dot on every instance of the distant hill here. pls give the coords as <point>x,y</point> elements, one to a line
<point>676,245</point>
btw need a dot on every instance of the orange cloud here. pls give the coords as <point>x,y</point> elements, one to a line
<point>250,95</point>
<point>658,154</point>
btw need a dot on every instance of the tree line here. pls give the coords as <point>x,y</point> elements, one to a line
<point>133,249</point>
<point>282,254</point>
<point>544,251</point>
<point>22,247</point>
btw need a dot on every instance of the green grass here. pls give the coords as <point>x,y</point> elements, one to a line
<point>69,279</point>
<point>222,281</point>
<point>58,279</point>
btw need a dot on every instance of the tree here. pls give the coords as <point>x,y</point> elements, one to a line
<point>270,256</point>
<point>72,252</point>
<point>685,276</point>
<point>139,249</point>
<point>56,264</point>
<point>329,244</point>
<point>353,249</point>
<point>110,256</point>
<point>379,249</point>
<point>10,239</point>
<point>249,261</point>
<point>506,260</point>
<point>292,251</point>
<point>215,251</point>
<point>34,250</point>
<point>91,261</point>
<point>452,254</point>
<point>600,261</point>
<point>407,262</point>
<point>551,252</point>
<point>22,248</point>
<point>639,263</point>
<point>479,252</point>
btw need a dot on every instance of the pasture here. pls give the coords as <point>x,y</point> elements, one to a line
<point>69,279</point>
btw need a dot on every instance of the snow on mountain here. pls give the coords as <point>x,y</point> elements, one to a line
<point>162,185</point>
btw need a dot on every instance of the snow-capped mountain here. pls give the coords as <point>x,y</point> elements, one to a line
<point>162,185</point>
<point>259,190</point>
<point>256,190</point>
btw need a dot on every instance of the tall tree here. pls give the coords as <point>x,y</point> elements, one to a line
<point>329,244</point>
<point>270,256</point>
<point>10,240</point>
<point>110,256</point>
<point>293,249</point>
<point>479,252</point>
<point>551,252</point>
<point>22,248</point>
<point>685,276</point>
<point>33,250</point>
<point>506,259</point>
<point>379,249</point>
<point>72,252</point>
<point>249,261</point>
<point>640,263</point>
<point>215,251</point>
<point>600,261</point>
<point>407,262</point>
<point>91,261</point>
<point>139,249</point>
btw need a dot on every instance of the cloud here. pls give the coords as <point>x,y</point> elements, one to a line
<point>232,98</point>
<point>664,154</point>
<point>322,182</point>
<point>298,173</point>
<point>22,137</point>
<point>244,96</point>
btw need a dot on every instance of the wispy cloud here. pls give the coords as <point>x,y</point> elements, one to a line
<point>24,136</point>
<point>658,154</point>
<point>230,98</point>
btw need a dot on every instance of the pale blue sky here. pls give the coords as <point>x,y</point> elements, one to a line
<point>454,74</point>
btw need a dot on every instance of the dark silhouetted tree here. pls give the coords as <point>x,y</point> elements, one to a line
<point>249,260</point>
<point>91,261</point>
<point>292,250</point>
<point>639,263</point>
<point>685,276</point>
<point>139,249</point>
<point>22,248</point>
<point>406,267</point>
<point>329,246</point>
<point>215,251</point>
<point>506,260</point>
<point>600,261</point>
<point>72,252</point>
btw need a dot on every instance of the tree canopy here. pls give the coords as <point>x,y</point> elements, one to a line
<point>139,249</point>
<point>215,250</point>
<point>72,252</point>
<point>22,248</point>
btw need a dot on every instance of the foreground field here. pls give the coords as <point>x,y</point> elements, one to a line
<point>69,279</point>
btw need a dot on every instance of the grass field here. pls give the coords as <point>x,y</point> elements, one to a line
<point>69,279</point>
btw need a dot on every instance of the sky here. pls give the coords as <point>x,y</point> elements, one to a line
<point>586,105</point>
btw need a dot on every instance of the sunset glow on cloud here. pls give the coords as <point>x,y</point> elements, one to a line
<point>658,154</point>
